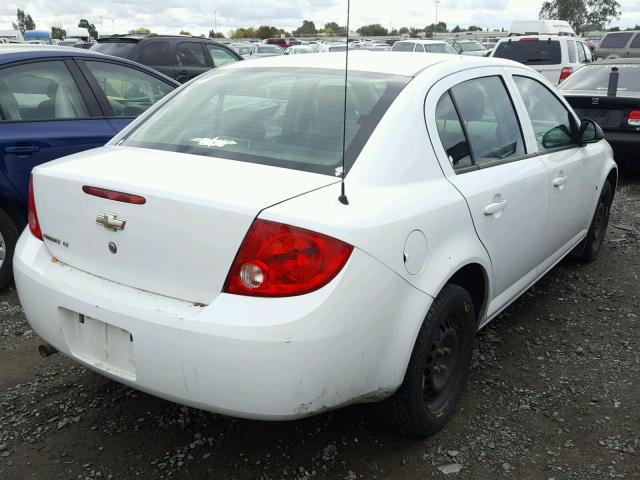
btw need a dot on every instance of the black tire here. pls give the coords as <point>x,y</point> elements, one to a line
<point>9,233</point>
<point>427,398</point>
<point>587,251</point>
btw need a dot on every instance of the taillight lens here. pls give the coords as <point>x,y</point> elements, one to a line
<point>278,260</point>
<point>565,73</point>
<point>32,216</point>
<point>634,118</point>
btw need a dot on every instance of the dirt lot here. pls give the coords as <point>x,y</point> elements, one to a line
<point>554,394</point>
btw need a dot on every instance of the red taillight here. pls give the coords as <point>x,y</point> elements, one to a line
<point>277,260</point>
<point>113,195</point>
<point>565,73</point>
<point>34,224</point>
<point>634,118</point>
<point>529,39</point>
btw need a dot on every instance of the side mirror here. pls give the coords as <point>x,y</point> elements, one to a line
<point>590,132</point>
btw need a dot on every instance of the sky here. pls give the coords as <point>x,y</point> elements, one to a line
<point>198,16</point>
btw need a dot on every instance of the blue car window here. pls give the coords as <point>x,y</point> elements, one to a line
<point>40,91</point>
<point>128,90</point>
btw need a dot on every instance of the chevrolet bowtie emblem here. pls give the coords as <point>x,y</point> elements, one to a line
<point>110,221</point>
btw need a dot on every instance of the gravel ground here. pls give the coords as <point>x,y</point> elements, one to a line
<point>554,394</point>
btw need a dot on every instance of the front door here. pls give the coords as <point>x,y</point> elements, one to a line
<point>569,166</point>
<point>484,155</point>
<point>191,61</point>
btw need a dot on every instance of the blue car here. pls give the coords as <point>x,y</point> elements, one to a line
<point>55,101</point>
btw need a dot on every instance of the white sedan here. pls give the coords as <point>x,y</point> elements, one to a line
<point>207,255</point>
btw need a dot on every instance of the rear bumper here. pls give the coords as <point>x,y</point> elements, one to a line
<point>623,143</point>
<point>255,358</point>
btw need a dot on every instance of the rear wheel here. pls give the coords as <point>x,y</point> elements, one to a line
<point>587,251</point>
<point>438,367</point>
<point>8,239</point>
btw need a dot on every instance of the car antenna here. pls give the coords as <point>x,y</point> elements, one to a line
<point>343,196</point>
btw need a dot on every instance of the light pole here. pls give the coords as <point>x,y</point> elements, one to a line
<point>437,3</point>
<point>215,23</point>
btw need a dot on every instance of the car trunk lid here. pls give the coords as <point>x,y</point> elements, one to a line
<point>611,113</point>
<point>183,239</point>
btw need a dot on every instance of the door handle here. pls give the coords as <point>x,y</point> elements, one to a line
<point>559,181</point>
<point>22,151</point>
<point>495,207</point>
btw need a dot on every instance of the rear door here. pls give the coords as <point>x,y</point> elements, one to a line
<point>47,112</point>
<point>123,91</point>
<point>191,60</point>
<point>634,47</point>
<point>571,167</point>
<point>157,55</point>
<point>481,148</point>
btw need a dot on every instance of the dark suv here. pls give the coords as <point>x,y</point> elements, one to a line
<point>177,56</point>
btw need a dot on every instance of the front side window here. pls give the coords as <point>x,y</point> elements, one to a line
<point>40,91</point>
<point>190,54</point>
<point>129,91</point>
<point>290,118</point>
<point>553,124</point>
<point>219,56</point>
<point>489,119</point>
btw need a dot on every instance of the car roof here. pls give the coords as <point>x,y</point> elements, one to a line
<point>390,63</point>
<point>517,38</point>
<point>424,42</point>
<point>13,52</point>
<point>618,61</point>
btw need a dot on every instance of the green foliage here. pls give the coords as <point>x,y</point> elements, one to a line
<point>244,33</point>
<point>25,22</point>
<point>58,33</point>
<point>307,29</point>
<point>89,26</point>
<point>184,32</point>
<point>141,31</point>
<point>456,29</point>
<point>440,27</point>
<point>214,34</point>
<point>265,31</point>
<point>581,12</point>
<point>374,30</point>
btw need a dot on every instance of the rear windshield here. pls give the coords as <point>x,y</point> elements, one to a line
<point>289,118</point>
<point>471,46</point>
<point>530,52</point>
<point>117,49</point>
<point>596,78</point>
<point>403,47</point>
<point>439,48</point>
<point>615,40</point>
<point>267,49</point>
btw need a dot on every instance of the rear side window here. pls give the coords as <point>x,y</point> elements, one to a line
<point>219,56</point>
<point>635,43</point>
<point>290,118</point>
<point>403,47</point>
<point>128,90</point>
<point>190,54</point>
<point>571,46</point>
<point>581,55</point>
<point>40,91</point>
<point>530,51</point>
<point>615,40</point>
<point>489,119</point>
<point>156,54</point>
<point>553,124</point>
<point>419,48</point>
<point>117,49</point>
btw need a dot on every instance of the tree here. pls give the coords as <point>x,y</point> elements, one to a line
<point>184,32</point>
<point>58,32</point>
<point>25,22</point>
<point>581,12</point>
<point>89,26</point>
<point>403,31</point>
<point>307,29</point>
<point>214,34</point>
<point>456,29</point>
<point>244,33</point>
<point>393,33</point>
<point>440,27</point>
<point>141,31</point>
<point>265,31</point>
<point>474,28</point>
<point>374,30</point>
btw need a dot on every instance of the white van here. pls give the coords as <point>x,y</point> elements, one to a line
<point>541,27</point>
<point>554,56</point>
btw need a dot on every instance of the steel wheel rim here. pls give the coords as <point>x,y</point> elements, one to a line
<point>443,362</point>
<point>3,250</point>
<point>599,225</point>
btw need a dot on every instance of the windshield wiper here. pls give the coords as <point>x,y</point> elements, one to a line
<point>536,59</point>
